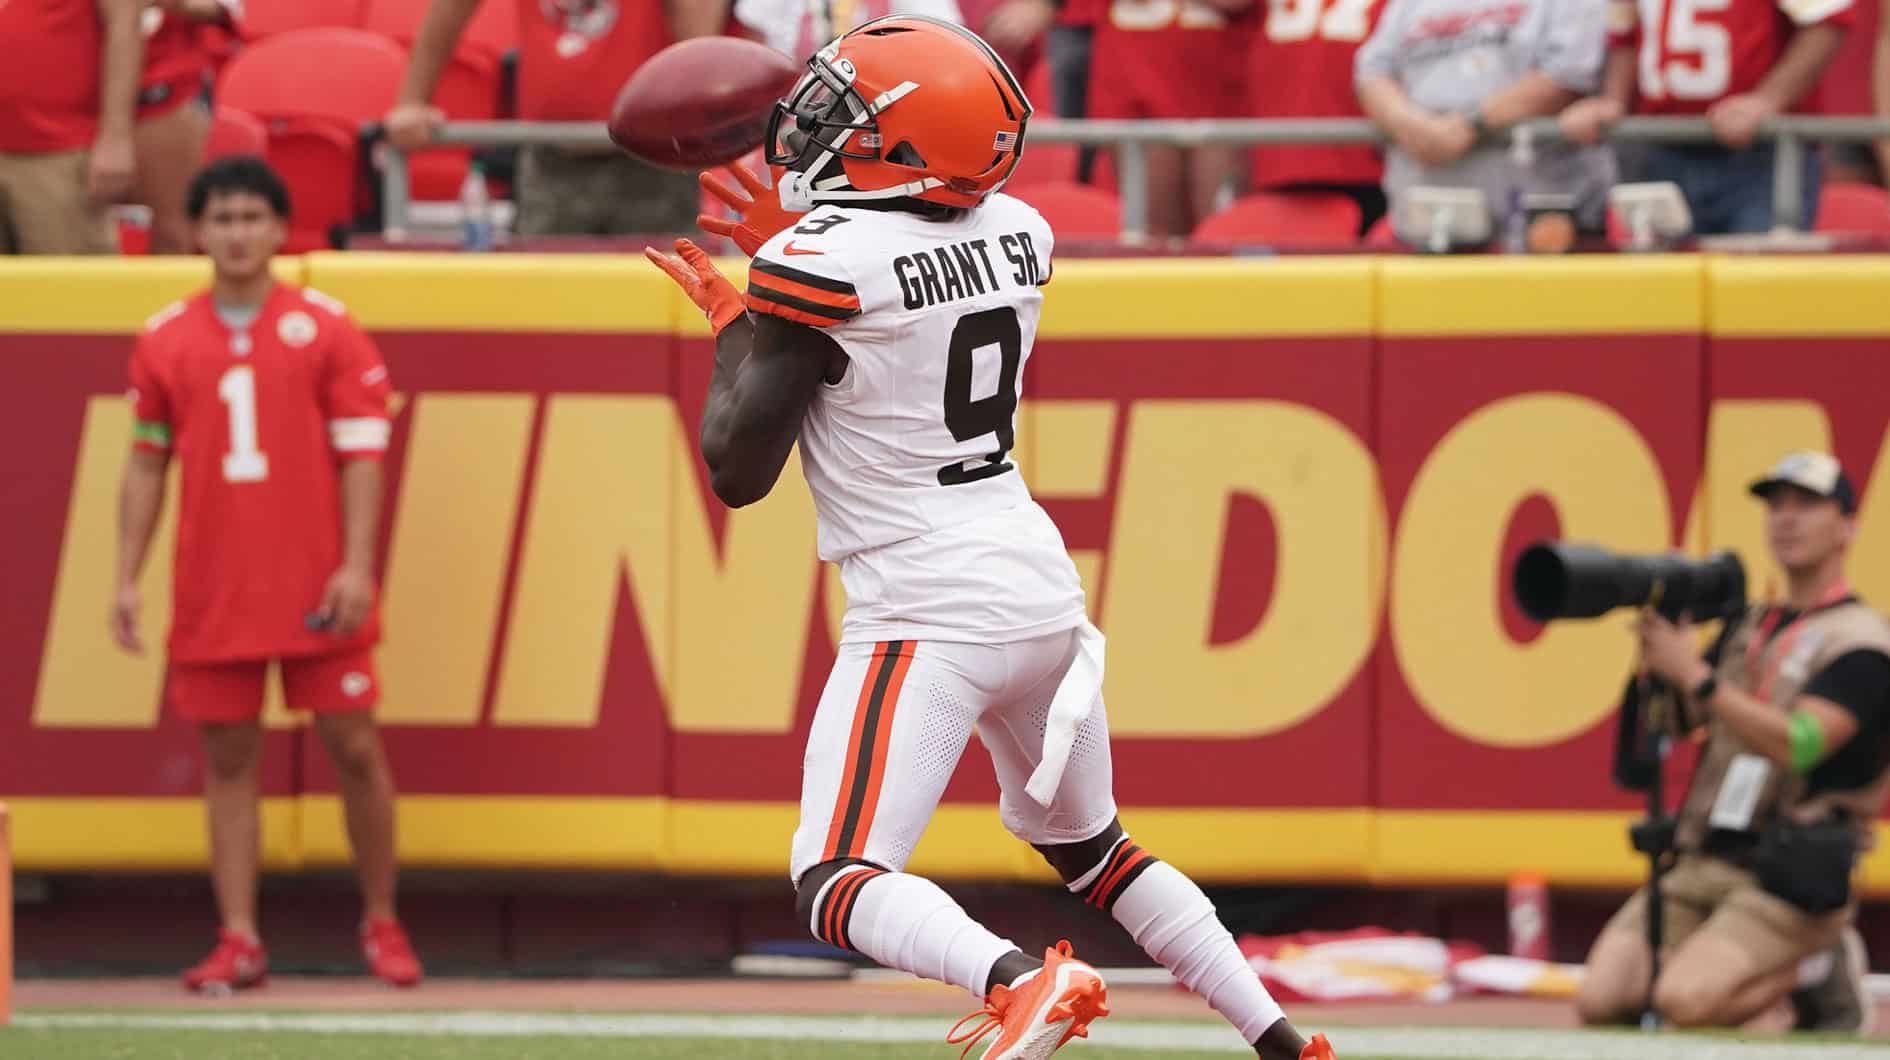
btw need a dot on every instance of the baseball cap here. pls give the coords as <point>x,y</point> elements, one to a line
<point>1813,472</point>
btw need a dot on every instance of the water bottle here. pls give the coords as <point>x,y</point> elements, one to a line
<point>1529,916</point>
<point>475,209</point>
<point>1522,165</point>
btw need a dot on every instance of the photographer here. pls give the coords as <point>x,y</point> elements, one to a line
<point>1795,703</point>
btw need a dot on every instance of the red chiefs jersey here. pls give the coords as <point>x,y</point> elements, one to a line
<point>575,54</point>
<point>49,69</point>
<point>1694,53</point>
<point>1302,68</point>
<point>258,418</point>
<point>1169,59</point>
<point>1082,12</point>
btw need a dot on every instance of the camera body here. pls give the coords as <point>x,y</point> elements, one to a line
<point>1554,580</point>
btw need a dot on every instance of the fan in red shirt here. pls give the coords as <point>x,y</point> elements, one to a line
<point>173,125</point>
<point>1738,62</point>
<point>68,87</point>
<point>1175,59</point>
<point>573,56</point>
<point>274,405</point>
<point>1301,67</point>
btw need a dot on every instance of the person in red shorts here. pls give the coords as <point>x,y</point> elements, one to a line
<point>173,123</point>
<point>1738,63</point>
<point>1175,59</point>
<point>1301,67</point>
<point>274,403</point>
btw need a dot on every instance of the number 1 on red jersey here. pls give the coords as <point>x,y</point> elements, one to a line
<point>244,462</point>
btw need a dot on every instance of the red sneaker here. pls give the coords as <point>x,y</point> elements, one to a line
<point>389,954</point>
<point>1318,1049</point>
<point>237,963</point>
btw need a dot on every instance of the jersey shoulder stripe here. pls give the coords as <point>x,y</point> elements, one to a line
<point>164,316</point>
<point>325,301</point>
<point>799,295</point>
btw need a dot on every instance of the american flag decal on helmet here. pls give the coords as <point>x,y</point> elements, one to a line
<point>1006,141</point>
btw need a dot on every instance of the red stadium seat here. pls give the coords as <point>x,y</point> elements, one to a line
<point>1074,210</point>
<point>1381,236</point>
<point>314,135</point>
<point>1046,164</point>
<point>235,132</point>
<point>1304,219</point>
<point>1854,208</point>
<point>266,18</point>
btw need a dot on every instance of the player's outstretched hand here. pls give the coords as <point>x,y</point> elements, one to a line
<point>760,212</point>
<point>347,600</point>
<point>125,608</point>
<point>705,285</point>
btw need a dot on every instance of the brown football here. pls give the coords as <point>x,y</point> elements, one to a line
<point>701,102</point>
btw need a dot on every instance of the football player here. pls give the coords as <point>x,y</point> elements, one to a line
<point>892,303</point>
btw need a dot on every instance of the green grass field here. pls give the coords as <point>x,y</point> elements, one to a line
<point>198,1045</point>
<point>96,1035</point>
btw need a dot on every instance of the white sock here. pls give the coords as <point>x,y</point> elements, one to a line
<point>1174,922</point>
<point>906,922</point>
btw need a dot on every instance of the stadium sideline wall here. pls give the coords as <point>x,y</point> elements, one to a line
<point>1294,488</point>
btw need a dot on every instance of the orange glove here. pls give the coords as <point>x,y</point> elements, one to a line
<point>702,282</point>
<point>761,215</point>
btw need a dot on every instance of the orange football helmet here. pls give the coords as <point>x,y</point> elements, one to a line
<point>901,107</point>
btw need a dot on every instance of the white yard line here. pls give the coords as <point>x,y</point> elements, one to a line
<point>1418,1042</point>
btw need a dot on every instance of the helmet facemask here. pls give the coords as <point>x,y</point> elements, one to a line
<point>824,114</point>
<point>824,121</point>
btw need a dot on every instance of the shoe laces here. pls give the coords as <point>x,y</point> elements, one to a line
<point>991,1017</point>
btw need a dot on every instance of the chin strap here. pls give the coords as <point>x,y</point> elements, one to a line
<point>799,195</point>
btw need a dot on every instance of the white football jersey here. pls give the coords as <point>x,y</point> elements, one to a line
<point>908,456</point>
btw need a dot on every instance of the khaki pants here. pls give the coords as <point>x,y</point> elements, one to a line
<point>562,193</point>
<point>44,208</point>
<point>1709,894</point>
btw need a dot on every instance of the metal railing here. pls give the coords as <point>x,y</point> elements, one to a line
<point>1793,134</point>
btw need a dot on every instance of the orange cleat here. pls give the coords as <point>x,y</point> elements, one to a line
<point>237,963</point>
<point>1037,1016</point>
<point>1318,1049</point>
<point>389,955</point>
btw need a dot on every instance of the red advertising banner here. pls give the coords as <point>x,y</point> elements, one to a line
<point>1294,490</point>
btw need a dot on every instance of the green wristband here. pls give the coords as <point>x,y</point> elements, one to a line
<point>1807,741</point>
<point>152,433</point>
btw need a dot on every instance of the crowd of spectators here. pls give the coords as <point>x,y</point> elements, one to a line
<point>107,102</point>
